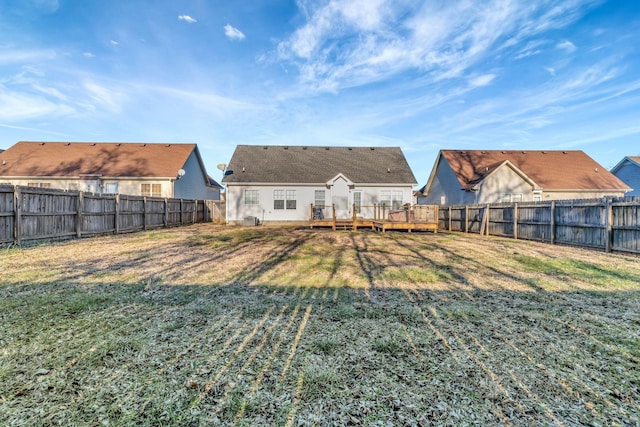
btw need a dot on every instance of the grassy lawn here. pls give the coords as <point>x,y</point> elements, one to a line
<point>207,325</point>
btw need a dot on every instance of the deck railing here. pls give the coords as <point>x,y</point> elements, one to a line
<point>368,215</point>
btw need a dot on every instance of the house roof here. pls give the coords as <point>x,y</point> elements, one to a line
<point>109,159</point>
<point>634,160</point>
<point>548,170</point>
<point>307,165</point>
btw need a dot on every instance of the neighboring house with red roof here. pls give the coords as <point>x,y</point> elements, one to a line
<point>159,170</point>
<point>279,183</point>
<point>462,177</point>
<point>628,171</point>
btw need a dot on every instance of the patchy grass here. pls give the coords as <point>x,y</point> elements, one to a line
<point>211,325</point>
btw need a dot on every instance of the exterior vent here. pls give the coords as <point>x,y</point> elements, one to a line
<point>250,221</point>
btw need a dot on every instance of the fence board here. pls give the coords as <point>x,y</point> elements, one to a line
<point>30,213</point>
<point>609,224</point>
<point>6,214</point>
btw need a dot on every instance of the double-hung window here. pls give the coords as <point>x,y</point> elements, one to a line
<point>391,198</point>
<point>153,190</point>
<point>251,197</point>
<point>284,199</point>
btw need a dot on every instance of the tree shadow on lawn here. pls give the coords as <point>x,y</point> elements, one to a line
<point>167,353</point>
<point>171,347</point>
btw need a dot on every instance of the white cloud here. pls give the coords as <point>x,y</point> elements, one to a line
<point>233,33</point>
<point>26,56</point>
<point>88,55</point>
<point>102,96</point>
<point>187,18</point>
<point>114,43</point>
<point>551,70</point>
<point>346,43</point>
<point>15,106</point>
<point>48,6</point>
<point>481,80</point>
<point>566,45</point>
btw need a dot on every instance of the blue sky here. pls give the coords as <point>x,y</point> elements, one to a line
<point>424,76</point>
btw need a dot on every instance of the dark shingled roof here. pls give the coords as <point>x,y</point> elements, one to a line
<point>317,165</point>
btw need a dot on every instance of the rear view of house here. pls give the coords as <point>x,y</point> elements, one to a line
<point>159,170</point>
<point>461,177</point>
<point>280,183</point>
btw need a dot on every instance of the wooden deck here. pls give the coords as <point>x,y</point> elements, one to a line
<point>410,218</point>
<point>383,226</point>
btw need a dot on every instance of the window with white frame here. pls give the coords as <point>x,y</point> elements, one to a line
<point>110,187</point>
<point>153,190</point>
<point>510,197</point>
<point>284,199</point>
<point>39,184</point>
<point>391,198</point>
<point>319,198</point>
<point>357,201</point>
<point>291,199</point>
<point>251,197</point>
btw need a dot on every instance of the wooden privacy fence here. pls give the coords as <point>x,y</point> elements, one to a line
<point>609,223</point>
<point>28,213</point>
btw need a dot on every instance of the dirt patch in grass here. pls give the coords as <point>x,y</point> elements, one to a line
<point>212,325</point>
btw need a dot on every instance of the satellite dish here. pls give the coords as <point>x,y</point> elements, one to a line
<point>181,173</point>
<point>222,166</point>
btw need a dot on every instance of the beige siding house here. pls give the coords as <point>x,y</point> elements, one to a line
<point>461,177</point>
<point>280,183</point>
<point>159,170</point>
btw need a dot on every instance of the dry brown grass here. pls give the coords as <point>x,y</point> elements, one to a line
<point>209,325</point>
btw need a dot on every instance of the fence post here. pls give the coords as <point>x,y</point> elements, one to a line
<point>165,217</point>
<point>484,223</point>
<point>553,222</point>
<point>17,211</point>
<point>609,223</point>
<point>117,215</point>
<point>79,214</point>
<point>515,221</point>
<point>195,212</point>
<point>181,212</point>
<point>144,213</point>
<point>466,218</point>
<point>450,214</point>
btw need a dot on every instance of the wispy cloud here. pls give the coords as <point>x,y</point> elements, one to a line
<point>567,46</point>
<point>187,18</point>
<point>233,33</point>
<point>26,56</point>
<point>114,43</point>
<point>19,106</point>
<point>346,43</point>
<point>480,81</point>
<point>88,55</point>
